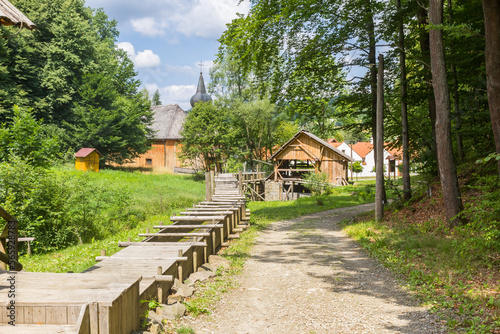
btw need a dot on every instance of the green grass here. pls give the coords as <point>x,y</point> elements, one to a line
<point>455,271</point>
<point>154,198</point>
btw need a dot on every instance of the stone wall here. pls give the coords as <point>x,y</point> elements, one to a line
<point>273,190</point>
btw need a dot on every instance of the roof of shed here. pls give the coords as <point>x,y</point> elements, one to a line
<point>316,138</point>
<point>167,121</point>
<point>10,15</point>
<point>86,151</point>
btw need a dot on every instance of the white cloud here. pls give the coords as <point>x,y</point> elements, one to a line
<point>147,58</point>
<point>141,59</point>
<point>200,18</point>
<point>128,48</point>
<point>175,94</point>
<point>148,26</point>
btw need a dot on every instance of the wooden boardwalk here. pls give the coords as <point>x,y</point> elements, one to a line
<point>106,297</point>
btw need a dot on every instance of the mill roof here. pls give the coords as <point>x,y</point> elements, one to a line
<point>167,121</point>
<point>10,15</point>
<point>316,138</point>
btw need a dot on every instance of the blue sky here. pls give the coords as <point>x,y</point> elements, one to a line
<point>166,39</point>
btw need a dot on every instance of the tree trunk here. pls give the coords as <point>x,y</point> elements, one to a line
<point>424,49</point>
<point>447,172</point>
<point>491,10</point>
<point>379,169</point>
<point>404,109</point>
<point>456,100</point>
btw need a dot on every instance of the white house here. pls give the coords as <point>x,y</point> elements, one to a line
<point>364,153</point>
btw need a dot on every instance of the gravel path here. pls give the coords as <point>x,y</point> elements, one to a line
<point>306,276</point>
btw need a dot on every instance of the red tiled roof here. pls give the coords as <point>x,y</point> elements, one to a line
<point>85,151</point>
<point>362,148</point>
<point>333,142</point>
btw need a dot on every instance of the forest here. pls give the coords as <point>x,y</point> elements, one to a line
<point>286,65</point>
<point>316,61</point>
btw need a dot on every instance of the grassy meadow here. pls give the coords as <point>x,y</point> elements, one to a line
<point>149,199</point>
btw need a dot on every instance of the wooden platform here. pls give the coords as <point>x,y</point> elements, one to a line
<point>105,298</point>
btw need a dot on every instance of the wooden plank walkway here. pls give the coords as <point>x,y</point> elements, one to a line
<point>105,298</point>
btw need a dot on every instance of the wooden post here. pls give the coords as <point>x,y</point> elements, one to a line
<point>240,181</point>
<point>129,239</point>
<point>208,184</point>
<point>379,168</point>
<point>179,267</point>
<point>213,241</point>
<point>195,260</point>
<point>147,230</point>
<point>103,252</point>
<point>212,182</point>
<point>159,271</point>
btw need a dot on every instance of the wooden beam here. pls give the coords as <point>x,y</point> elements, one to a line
<point>177,226</point>
<point>187,234</point>
<point>101,258</point>
<point>195,218</point>
<point>153,244</point>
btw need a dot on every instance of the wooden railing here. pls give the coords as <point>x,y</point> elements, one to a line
<point>8,250</point>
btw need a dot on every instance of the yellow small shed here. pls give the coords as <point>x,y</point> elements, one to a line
<point>87,159</point>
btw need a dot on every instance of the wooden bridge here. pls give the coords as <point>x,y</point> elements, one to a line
<point>105,298</point>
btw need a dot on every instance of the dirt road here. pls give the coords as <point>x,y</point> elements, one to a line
<point>306,276</point>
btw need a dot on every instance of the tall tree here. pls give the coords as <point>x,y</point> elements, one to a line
<point>447,170</point>
<point>491,10</point>
<point>404,104</point>
<point>155,100</point>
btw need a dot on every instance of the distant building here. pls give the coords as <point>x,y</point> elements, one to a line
<point>163,155</point>
<point>306,153</point>
<point>364,153</point>
<point>201,93</point>
<point>166,144</point>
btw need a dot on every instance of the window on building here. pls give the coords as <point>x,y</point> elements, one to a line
<point>149,162</point>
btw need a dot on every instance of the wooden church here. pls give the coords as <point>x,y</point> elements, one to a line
<point>166,145</point>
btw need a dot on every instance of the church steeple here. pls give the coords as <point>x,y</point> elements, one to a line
<point>201,93</point>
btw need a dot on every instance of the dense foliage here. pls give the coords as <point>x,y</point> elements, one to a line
<point>295,51</point>
<point>70,75</point>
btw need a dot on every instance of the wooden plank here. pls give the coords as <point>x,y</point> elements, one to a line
<point>39,315</point>
<point>202,212</point>
<point>101,258</point>
<point>177,226</point>
<point>187,234</point>
<point>56,315</point>
<point>194,244</point>
<point>195,218</point>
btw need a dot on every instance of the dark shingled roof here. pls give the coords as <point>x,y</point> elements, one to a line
<point>167,121</point>
<point>10,15</point>
<point>201,93</point>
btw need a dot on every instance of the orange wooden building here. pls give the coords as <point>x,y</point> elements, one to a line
<point>165,147</point>
<point>87,159</point>
<point>305,153</point>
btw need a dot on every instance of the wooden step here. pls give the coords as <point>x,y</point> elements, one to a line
<point>233,236</point>
<point>38,329</point>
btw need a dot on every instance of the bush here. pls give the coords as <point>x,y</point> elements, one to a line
<point>319,186</point>
<point>61,209</point>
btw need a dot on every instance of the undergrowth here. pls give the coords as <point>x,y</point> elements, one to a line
<point>455,271</point>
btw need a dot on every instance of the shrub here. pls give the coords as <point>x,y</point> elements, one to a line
<point>61,208</point>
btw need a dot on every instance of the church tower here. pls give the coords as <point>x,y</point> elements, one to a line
<point>201,93</point>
